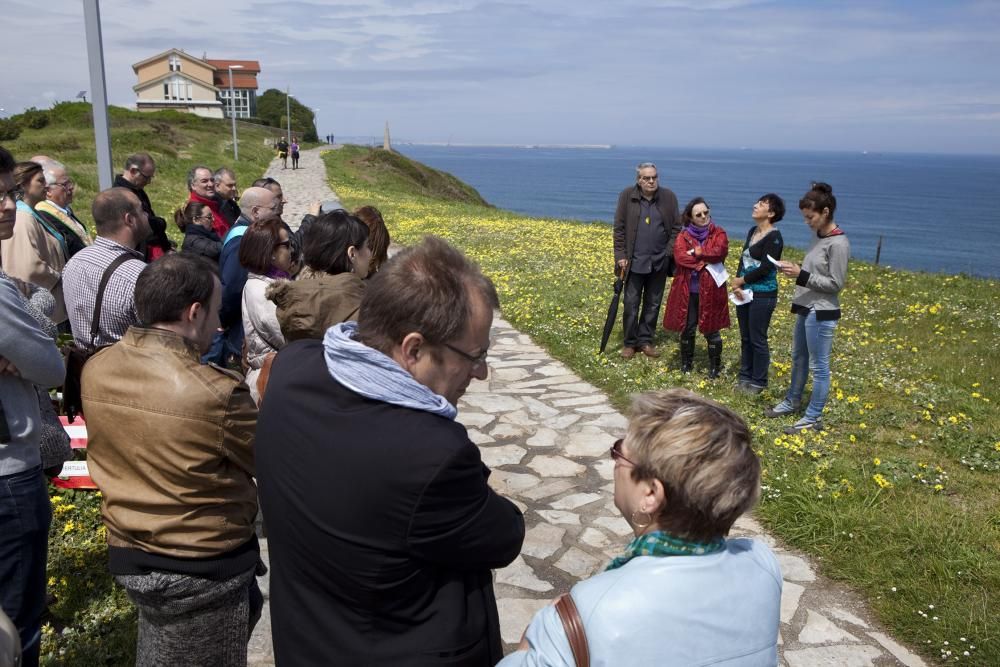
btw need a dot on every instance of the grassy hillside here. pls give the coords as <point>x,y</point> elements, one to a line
<point>177,141</point>
<point>898,497</point>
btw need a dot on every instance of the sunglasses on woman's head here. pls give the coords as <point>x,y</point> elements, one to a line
<point>616,452</point>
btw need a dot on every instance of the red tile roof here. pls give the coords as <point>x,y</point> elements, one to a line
<point>242,78</point>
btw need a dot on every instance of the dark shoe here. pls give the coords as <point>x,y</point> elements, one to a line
<point>745,387</point>
<point>714,359</point>
<point>804,424</point>
<point>782,409</point>
<point>628,352</point>
<point>650,351</point>
<point>687,354</point>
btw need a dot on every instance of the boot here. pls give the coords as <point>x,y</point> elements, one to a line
<point>714,359</point>
<point>687,354</point>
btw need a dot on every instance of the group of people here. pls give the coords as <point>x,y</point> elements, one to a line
<point>653,240</point>
<point>382,527</point>
<point>284,148</point>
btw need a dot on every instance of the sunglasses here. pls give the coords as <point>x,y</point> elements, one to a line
<point>703,214</point>
<point>616,452</point>
<point>648,178</point>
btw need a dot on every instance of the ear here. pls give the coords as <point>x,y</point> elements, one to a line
<point>194,311</point>
<point>352,253</point>
<point>412,349</point>
<point>654,496</point>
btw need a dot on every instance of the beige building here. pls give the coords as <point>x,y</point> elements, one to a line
<point>177,80</point>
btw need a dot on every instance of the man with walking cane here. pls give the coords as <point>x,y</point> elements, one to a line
<point>647,221</point>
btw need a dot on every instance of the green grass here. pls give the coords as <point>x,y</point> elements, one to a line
<point>898,497</point>
<point>177,141</point>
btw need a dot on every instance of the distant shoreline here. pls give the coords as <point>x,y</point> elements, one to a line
<point>448,144</point>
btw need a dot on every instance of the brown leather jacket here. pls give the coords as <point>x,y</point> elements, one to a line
<point>170,445</point>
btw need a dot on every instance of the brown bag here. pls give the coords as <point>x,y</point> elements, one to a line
<point>573,626</point>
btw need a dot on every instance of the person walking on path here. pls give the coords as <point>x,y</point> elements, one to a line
<point>757,279</point>
<point>283,152</point>
<point>816,305</point>
<point>696,301</point>
<point>295,153</point>
<point>646,224</point>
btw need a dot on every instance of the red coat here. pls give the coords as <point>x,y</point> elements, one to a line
<point>713,301</point>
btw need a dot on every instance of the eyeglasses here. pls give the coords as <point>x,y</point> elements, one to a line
<point>17,194</point>
<point>476,361</point>
<point>616,452</point>
<point>701,214</point>
<point>68,184</point>
<point>278,244</point>
<point>648,178</point>
<point>148,177</point>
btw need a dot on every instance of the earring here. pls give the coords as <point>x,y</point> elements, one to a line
<point>637,524</point>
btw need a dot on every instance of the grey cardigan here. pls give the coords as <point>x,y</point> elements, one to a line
<point>823,275</point>
<point>38,360</point>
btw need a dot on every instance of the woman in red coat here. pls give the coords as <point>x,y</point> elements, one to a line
<point>696,302</point>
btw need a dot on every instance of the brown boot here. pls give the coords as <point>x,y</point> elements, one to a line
<point>650,351</point>
<point>628,352</point>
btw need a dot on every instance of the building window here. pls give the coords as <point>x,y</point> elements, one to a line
<point>175,63</point>
<point>177,88</point>
<point>242,105</point>
<point>166,91</point>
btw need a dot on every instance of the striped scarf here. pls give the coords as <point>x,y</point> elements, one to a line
<point>67,217</point>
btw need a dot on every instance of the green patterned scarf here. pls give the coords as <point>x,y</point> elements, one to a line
<point>659,543</point>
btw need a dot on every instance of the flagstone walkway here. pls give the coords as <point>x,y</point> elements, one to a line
<point>545,433</point>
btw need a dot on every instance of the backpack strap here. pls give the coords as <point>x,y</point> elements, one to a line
<point>95,323</point>
<point>234,233</point>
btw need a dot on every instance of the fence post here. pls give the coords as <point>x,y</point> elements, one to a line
<point>878,250</point>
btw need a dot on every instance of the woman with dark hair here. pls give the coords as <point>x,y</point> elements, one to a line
<point>816,304</point>
<point>683,592</point>
<point>696,302</point>
<point>265,254</point>
<point>196,221</point>
<point>378,236</point>
<point>757,279</point>
<point>337,257</point>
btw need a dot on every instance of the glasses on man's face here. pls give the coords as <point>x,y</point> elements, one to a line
<point>68,184</point>
<point>616,452</point>
<point>648,178</point>
<point>17,194</point>
<point>476,361</point>
<point>148,177</point>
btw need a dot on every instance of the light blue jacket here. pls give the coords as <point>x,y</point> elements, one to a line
<point>721,609</point>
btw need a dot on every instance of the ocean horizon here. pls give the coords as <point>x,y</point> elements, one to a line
<point>934,212</point>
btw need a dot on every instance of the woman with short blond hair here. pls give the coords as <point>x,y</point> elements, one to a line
<point>681,593</point>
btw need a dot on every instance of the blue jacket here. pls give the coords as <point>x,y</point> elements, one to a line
<point>720,609</point>
<point>234,276</point>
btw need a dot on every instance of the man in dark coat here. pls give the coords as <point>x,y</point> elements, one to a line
<point>647,222</point>
<point>382,529</point>
<point>227,193</point>
<point>138,173</point>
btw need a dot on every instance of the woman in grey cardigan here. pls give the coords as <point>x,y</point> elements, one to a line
<point>817,307</point>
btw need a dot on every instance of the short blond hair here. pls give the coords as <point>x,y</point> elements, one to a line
<point>701,452</point>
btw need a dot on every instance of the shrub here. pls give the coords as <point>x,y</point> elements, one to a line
<point>33,119</point>
<point>9,129</point>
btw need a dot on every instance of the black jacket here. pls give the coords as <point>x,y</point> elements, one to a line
<point>158,239</point>
<point>201,241</point>
<point>627,222</point>
<point>229,210</point>
<point>382,529</point>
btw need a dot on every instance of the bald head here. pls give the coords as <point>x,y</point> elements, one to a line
<point>258,204</point>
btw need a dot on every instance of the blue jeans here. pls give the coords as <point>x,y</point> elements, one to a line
<point>225,345</point>
<point>25,515</point>
<point>755,353</point>
<point>812,342</point>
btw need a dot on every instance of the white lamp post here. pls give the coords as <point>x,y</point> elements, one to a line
<point>316,121</point>
<point>288,114</point>
<point>232,111</point>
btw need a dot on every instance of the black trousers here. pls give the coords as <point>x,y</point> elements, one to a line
<point>691,324</point>
<point>643,296</point>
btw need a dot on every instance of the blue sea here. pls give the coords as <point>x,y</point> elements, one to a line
<point>938,213</point>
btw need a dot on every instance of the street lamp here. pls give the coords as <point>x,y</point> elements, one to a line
<point>288,114</point>
<point>316,120</point>
<point>232,111</point>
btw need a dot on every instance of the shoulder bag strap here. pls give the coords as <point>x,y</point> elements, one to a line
<point>95,323</point>
<point>573,626</point>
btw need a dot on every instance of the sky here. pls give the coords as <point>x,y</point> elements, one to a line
<point>893,76</point>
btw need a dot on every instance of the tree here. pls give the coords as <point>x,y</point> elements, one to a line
<point>271,111</point>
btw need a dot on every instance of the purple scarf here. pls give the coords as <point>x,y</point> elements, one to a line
<point>278,274</point>
<point>699,234</point>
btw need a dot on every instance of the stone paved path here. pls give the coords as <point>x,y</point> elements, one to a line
<point>545,433</point>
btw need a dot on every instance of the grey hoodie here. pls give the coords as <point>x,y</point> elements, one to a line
<point>823,275</point>
<point>38,360</point>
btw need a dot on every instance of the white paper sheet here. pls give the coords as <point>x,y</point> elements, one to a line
<point>776,262</point>
<point>747,294</point>
<point>718,273</point>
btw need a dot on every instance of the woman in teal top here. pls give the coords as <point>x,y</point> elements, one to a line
<point>757,278</point>
<point>681,593</point>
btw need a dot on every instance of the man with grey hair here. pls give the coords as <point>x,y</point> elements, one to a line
<point>257,204</point>
<point>139,171</point>
<point>647,221</point>
<point>121,226</point>
<point>371,409</point>
<point>201,185</point>
<point>227,193</point>
<point>56,209</point>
